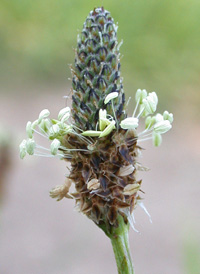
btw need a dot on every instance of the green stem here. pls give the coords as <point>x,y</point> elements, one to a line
<point>120,243</point>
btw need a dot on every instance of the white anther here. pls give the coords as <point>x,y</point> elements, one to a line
<point>129,123</point>
<point>22,149</point>
<point>55,146</point>
<point>29,129</point>
<point>150,103</point>
<point>92,133</point>
<point>43,114</point>
<point>140,95</point>
<point>30,146</point>
<point>149,122</point>
<point>162,126</point>
<point>110,96</point>
<point>64,114</point>
<point>103,121</point>
<point>168,116</point>
<point>108,129</point>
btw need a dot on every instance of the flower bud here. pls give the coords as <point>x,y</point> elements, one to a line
<point>168,116</point>
<point>162,126</point>
<point>43,114</point>
<point>110,96</point>
<point>55,146</point>
<point>129,123</point>
<point>157,139</point>
<point>22,149</point>
<point>140,95</point>
<point>30,146</point>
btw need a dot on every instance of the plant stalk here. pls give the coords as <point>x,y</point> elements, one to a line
<point>120,243</point>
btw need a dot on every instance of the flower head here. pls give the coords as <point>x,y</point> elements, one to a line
<point>97,136</point>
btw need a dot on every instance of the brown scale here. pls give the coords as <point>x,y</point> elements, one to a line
<point>103,162</point>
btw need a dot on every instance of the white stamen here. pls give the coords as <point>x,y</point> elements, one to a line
<point>55,146</point>
<point>140,95</point>
<point>29,129</point>
<point>64,113</point>
<point>162,127</point>
<point>110,96</point>
<point>43,114</point>
<point>129,123</point>
<point>22,149</point>
<point>30,146</point>
<point>168,116</point>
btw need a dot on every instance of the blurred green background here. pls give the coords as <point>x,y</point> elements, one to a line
<point>161,43</point>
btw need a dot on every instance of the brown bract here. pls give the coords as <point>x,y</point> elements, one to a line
<point>101,193</point>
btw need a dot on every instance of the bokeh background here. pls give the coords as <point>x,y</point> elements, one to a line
<point>161,52</point>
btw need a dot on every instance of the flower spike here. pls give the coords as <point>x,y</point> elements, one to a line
<point>97,136</point>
